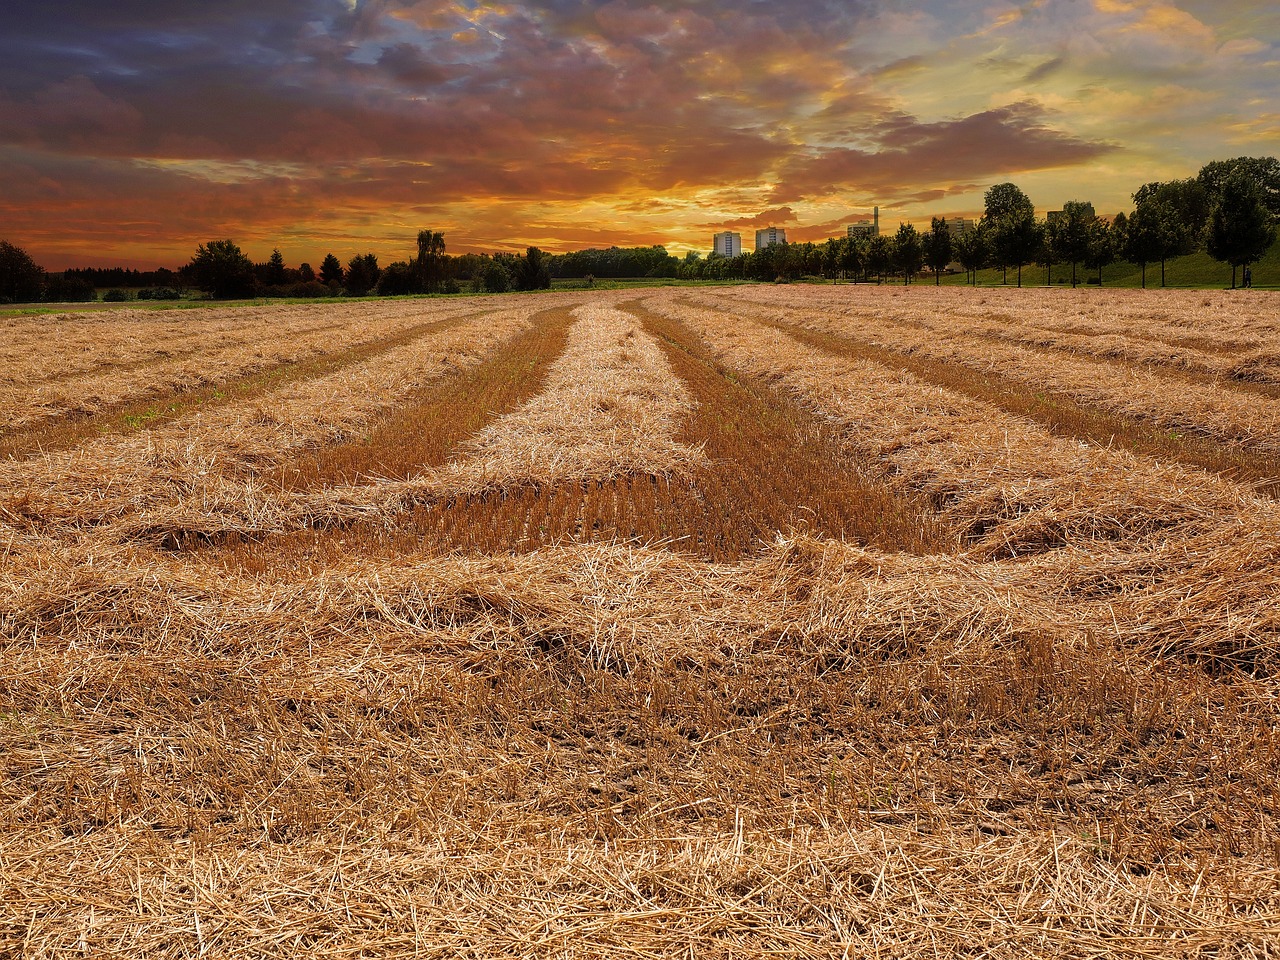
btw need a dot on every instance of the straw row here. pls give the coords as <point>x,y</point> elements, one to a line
<point>215,460</point>
<point>1224,334</point>
<point>1178,403</point>
<point>82,364</point>
<point>1010,485</point>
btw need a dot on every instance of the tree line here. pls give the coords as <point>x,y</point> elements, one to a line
<point>1229,209</point>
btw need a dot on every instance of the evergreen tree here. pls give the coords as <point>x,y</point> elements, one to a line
<point>330,270</point>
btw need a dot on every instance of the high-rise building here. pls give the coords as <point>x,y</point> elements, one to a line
<point>727,244</point>
<point>769,236</point>
<point>866,228</point>
<point>959,226</point>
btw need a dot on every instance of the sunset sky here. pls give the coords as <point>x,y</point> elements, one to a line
<point>130,131</point>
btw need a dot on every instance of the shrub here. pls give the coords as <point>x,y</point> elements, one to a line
<point>115,295</point>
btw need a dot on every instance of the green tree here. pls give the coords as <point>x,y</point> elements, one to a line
<point>362,274</point>
<point>1100,246</point>
<point>306,273</point>
<point>222,270</point>
<point>1011,218</point>
<point>937,248</point>
<point>430,262</point>
<point>1069,233</point>
<point>971,251</point>
<point>1240,226</point>
<point>21,278</point>
<point>1263,171</point>
<point>908,252</point>
<point>494,277</point>
<point>879,256</point>
<point>533,271</point>
<point>330,270</point>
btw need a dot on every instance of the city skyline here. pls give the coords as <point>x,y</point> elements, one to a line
<point>130,134</point>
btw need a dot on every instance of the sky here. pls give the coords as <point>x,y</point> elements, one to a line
<point>134,130</point>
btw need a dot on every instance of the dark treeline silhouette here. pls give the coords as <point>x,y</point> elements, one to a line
<point>1229,209</point>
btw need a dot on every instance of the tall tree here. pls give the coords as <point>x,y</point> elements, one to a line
<point>1011,218</point>
<point>1100,246</point>
<point>1070,231</point>
<point>971,251</point>
<point>1240,226</point>
<point>362,274</point>
<point>879,256</point>
<point>222,270</point>
<point>1263,171</point>
<point>937,248</point>
<point>21,279</point>
<point>908,252</point>
<point>533,271</point>
<point>330,269</point>
<point>275,268</point>
<point>430,261</point>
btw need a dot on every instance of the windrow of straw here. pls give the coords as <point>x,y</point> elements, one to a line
<point>101,362</point>
<point>1011,486</point>
<point>597,748</point>
<point>218,461</point>
<point>610,407</point>
<point>1226,335</point>
<point>1215,409</point>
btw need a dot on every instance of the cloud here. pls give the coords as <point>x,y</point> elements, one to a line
<point>909,154</point>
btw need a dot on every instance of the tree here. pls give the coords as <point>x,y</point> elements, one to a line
<point>221,270</point>
<point>1175,213</point>
<point>1011,218</point>
<point>533,271</point>
<point>971,251</point>
<point>1069,233</point>
<point>21,279</point>
<point>1240,228</point>
<point>879,256</point>
<point>399,279</point>
<point>937,248</point>
<point>330,270</point>
<point>494,277</point>
<point>430,260</point>
<point>908,253</point>
<point>275,268</point>
<point>306,273</point>
<point>1263,171</point>
<point>1141,239</point>
<point>362,274</point>
<point>1100,246</point>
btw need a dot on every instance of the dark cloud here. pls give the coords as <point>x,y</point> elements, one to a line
<point>242,117</point>
<point>910,154</point>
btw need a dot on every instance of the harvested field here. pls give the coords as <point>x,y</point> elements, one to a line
<point>605,624</point>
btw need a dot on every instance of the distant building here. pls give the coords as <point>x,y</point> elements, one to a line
<point>867,228</point>
<point>727,244</point>
<point>769,236</point>
<point>1053,215</point>
<point>959,226</point>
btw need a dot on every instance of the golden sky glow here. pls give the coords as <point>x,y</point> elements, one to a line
<point>131,131</point>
